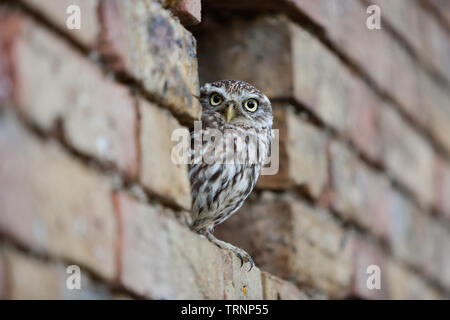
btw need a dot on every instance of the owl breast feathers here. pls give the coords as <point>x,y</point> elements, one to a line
<point>229,150</point>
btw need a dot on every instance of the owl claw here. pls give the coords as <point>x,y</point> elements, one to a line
<point>241,254</point>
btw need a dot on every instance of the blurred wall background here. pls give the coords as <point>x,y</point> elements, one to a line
<point>86,118</point>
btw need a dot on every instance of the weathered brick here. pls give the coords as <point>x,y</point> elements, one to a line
<point>442,6</point>
<point>32,278</point>
<point>408,157</point>
<point>293,241</point>
<point>240,284</point>
<point>142,39</point>
<point>376,52</point>
<point>407,285</point>
<point>294,65</point>
<point>277,289</point>
<point>435,101</point>
<point>3,276</point>
<point>412,234</point>
<point>158,173</point>
<point>97,115</point>
<point>366,256</point>
<point>162,259</point>
<point>303,159</point>
<point>442,187</point>
<point>188,11</point>
<point>421,30</point>
<point>51,202</point>
<point>357,191</point>
<point>56,12</point>
<point>392,68</point>
<point>438,260</point>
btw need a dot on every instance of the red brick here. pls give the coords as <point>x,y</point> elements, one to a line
<point>440,259</point>
<point>303,161</point>
<point>407,285</point>
<point>367,254</point>
<point>277,289</point>
<point>411,233</point>
<point>435,100</point>
<point>421,30</point>
<point>97,115</point>
<point>3,276</point>
<point>56,12</point>
<point>162,259</point>
<point>32,278</point>
<point>53,203</point>
<point>442,187</point>
<point>293,241</point>
<point>442,6</point>
<point>158,173</point>
<point>164,61</point>
<point>357,191</point>
<point>407,155</point>
<point>240,284</point>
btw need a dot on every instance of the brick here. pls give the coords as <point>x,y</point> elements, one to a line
<point>421,31</point>
<point>188,11</point>
<point>158,173</point>
<point>436,101</point>
<point>141,39</point>
<point>293,241</point>
<point>56,12</point>
<point>406,285</point>
<point>302,154</point>
<point>437,265</point>
<point>442,187</point>
<point>97,115</point>
<point>407,156</point>
<point>366,255</point>
<point>53,203</point>
<point>358,193</point>
<point>3,277</point>
<point>411,233</point>
<point>376,52</point>
<point>277,289</point>
<point>390,66</point>
<point>294,65</point>
<point>32,278</point>
<point>240,284</point>
<point>187,266</point>
<point>442,6</point>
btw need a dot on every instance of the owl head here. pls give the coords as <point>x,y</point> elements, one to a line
<point>236,103</point>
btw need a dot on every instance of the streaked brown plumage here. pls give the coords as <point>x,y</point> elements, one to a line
<point>243,117</point>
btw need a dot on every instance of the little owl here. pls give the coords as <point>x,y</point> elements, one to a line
<point>236,128</point>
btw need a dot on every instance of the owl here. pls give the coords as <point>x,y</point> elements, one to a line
<point>227,154</point>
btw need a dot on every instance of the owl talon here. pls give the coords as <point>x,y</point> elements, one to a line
<point>240,258</point>
<point>241,254</point>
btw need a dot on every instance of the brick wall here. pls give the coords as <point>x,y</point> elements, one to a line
<point>86,119</point>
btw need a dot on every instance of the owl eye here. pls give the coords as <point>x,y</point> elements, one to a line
<point>251,105</point>
<point>215,99</point>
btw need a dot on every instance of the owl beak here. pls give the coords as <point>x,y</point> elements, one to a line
<point>230,112</point>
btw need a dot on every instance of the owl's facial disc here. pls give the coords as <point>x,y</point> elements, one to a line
<point>236,103</point>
